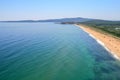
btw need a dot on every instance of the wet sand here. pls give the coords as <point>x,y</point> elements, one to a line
<point>110,42</point>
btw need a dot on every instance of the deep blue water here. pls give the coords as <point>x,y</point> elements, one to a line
<point>48,51</point>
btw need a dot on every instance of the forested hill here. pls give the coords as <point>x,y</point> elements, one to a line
<point>112,27</point>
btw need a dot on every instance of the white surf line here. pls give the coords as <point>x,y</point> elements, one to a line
<point>101,43</point>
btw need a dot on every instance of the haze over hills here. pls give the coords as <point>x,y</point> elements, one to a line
<point>78,19</point>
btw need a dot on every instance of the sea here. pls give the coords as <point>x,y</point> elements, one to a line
<point>51,51</point>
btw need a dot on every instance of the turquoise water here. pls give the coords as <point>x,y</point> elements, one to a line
<point>47,51</point>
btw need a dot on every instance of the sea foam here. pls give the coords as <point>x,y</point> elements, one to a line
<point>101,43</point>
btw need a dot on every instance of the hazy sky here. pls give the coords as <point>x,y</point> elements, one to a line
<point>47,9</point>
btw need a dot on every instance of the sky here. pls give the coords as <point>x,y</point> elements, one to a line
<point>53,9</point>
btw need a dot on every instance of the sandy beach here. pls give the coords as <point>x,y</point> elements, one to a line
<point>110,42</point>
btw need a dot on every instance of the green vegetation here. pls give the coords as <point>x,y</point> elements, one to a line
<point>112,27</point>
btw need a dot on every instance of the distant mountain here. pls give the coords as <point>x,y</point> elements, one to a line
<point>68,20</point>
<point>78,19</point>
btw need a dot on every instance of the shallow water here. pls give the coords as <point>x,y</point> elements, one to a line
<point>47,51</point>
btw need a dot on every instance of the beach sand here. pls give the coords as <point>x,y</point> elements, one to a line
<point>110,42</point>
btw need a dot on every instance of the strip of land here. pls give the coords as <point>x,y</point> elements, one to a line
<point>111,42</point>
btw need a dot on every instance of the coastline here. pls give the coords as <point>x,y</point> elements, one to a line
<point>109,42</point>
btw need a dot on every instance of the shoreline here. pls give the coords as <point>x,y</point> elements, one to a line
<point>104,40</point>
